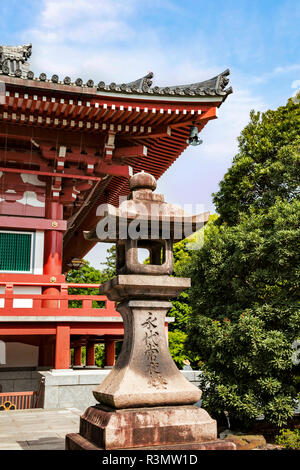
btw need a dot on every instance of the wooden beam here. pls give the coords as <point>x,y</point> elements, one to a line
<point>105,168</point>
<point>159,132</point>
<point>32,223</point>
<point>130,152</point>
<point>211,113</point>
<point>48,173</point>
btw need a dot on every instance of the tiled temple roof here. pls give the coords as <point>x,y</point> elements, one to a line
<point>13,63</point>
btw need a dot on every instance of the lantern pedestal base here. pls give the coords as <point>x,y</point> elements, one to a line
<point>170,427</point>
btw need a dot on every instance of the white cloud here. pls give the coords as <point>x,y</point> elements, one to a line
<point>281,70</point>
<point>104,40</point>
<point>83,20</point>
<point>233,117</point>
<point>196,174</point>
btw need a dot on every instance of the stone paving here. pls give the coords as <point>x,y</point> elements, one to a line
<point>37,429</point>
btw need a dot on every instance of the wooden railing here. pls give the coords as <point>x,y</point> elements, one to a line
<point>21,400</point>
<point>17,400</point>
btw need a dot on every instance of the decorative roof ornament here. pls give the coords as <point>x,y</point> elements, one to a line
<point>67,81</point>
<point>143,83</point>
<point>223,81</point>
<point>14,58</point>
<point>214,86</point>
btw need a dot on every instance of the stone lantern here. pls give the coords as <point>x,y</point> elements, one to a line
<point>145,400</point>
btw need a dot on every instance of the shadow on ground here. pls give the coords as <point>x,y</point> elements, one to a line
<point>44,443</point>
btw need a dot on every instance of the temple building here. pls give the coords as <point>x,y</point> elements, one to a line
<point>66,147</point>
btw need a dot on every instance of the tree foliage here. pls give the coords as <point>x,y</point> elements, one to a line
<point>87,274</point>
<point>245,279</point>
<point>99,355</point>
<point>267,165</point>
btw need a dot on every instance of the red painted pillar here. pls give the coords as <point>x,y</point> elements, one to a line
<point>53,251</point>
<point>90,354</point>
<point>77,356</point>
<point>62,347</point>
<point>110,352</point>
<point>53,241</point>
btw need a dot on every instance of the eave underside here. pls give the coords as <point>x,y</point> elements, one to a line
<point>163,127</point>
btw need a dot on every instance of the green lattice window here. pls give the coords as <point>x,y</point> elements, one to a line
<point>15,251</point>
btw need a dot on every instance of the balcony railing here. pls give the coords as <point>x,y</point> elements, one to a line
<point>55,303</point>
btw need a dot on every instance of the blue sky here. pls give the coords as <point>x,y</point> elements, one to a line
<point>181,42</point>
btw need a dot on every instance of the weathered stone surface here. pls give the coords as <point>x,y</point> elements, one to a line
<point>145,373</point>
<point>77,442</point>
<point>142,180</point>
<point>246,442</point>
<point>145,384</point>
<point>145,216</point>
<point>57,390</point>
<point>141,427</point>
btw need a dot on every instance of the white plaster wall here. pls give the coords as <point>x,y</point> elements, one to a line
<point>39,252</point>
<point>23,355</point>
<point>2,291</point>
<point>21,303</point>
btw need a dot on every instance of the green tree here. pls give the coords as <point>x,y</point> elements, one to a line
<point>85,275</point>
<point>181,310</point>
<point>109,270</point>
<point>267,165</point>
<point>245,301</point>
<point>90,275</point>
<point>245,279</point>
<point>181,307</point>
<point>99,355</point>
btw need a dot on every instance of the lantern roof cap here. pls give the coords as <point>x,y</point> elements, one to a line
<point>142,180</point>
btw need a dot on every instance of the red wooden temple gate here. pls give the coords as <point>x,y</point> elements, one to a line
<point>65,148</point>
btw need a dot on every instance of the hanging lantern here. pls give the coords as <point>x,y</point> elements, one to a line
<point>76,264</point>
